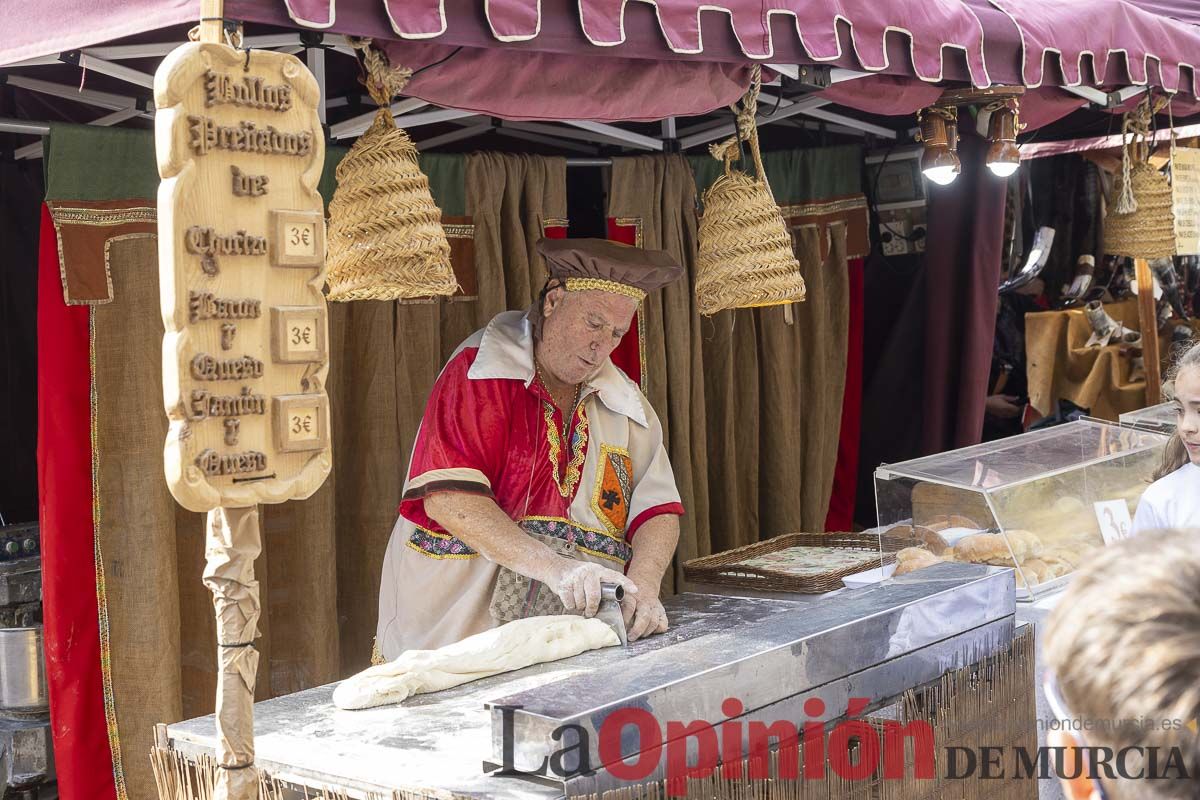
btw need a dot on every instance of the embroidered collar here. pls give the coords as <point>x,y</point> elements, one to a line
<point>506,351</point>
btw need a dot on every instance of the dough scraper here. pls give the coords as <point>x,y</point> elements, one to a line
<point>609,612</point>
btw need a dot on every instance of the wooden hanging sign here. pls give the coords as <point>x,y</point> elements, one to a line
<point>1185,192</point>
<point>241,267</point>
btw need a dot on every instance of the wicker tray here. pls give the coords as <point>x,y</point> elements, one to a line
<point>729,569</point>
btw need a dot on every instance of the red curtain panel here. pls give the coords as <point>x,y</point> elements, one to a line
<point>72,626</point>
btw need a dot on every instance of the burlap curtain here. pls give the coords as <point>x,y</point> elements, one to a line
<point>760,399</point>
<point>656,198</point>
<point>774,401</point>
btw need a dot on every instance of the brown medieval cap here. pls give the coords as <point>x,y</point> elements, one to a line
<point>583,264</point>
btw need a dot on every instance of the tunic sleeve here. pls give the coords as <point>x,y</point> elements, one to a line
<point>461,440</point>
<point>654,490</point>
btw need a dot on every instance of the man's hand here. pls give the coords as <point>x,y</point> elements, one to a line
<point>644,614</point>
<point>653,548</point>
<point>1003,406</point>
<point>577,584</point>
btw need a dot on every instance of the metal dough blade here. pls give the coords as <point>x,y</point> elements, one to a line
<point>610,610</point>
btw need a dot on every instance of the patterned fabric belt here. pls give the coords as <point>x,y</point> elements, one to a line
<point>590,540</point>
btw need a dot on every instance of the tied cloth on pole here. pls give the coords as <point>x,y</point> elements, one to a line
<point>233,541</point>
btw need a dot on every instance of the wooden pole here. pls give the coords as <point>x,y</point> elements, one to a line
<point>1148,323</point>
<point>211,12</point>
<point>232,543</point>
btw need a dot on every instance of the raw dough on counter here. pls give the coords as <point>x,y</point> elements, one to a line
<point>519,644</point>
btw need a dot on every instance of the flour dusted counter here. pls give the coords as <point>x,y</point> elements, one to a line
<point>725,659</point>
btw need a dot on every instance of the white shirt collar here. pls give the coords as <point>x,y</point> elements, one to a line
<point>506,351</point>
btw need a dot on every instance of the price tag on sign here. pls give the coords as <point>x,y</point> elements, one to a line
<point>302,335</point>
<point>296,239</point>
<point>300,422</point>
<point>298,334</point>
<point>300,239</point>
<point>1114,519</point>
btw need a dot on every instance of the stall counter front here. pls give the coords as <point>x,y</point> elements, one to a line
<point>876,642</point>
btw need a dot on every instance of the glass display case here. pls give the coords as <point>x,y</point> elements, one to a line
<point>1161,418</point>
<point>1035,502</point>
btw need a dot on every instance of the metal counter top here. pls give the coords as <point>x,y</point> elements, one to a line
<point>768,653</point>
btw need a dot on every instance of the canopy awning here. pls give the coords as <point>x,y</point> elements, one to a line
<point>609,60</point>
<point>1030,42</point>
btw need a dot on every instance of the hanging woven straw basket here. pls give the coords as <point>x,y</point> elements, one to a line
<point>745,250</point>
<point>385,239</point>
<point>1141,222</point>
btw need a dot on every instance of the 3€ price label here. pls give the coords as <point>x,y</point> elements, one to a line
<point>300,239</point>
<point>302,424</point>
<point>1114,519</point>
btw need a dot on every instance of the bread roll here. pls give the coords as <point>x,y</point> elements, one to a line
<point>1025,544</point>
<point>1069,505</point>
<point>1061,559</point>
<point>982,548</point>
<point>911,559</point>
<point>919,535</point>
<point>1036,570</point>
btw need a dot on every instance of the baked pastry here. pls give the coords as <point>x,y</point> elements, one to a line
<point>918,534</point>
<point>1069,505</point>
<point>1061,558</point>
<point>982,548</point>
<point>1036,570</point>
<point>911,559</point>
<point>957,521</point>
<point>1025,544</point>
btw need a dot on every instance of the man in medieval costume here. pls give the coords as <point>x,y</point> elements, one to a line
<point>539,470</point>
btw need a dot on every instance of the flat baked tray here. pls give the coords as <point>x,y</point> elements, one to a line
<point>751,566</point>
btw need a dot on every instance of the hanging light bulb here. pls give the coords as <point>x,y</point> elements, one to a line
<point>939,132</point>
<point>1003,156</point>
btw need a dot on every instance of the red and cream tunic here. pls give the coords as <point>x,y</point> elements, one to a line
<point>491,429</point>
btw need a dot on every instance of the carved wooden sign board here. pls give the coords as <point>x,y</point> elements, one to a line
<point>241,266</point>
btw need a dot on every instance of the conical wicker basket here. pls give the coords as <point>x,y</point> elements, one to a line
<point>1141,220</point>
<point>745,255</point>
<point>385,239</point>
<point>1149,230</point>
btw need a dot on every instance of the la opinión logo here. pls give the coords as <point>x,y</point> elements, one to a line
<point>854,749</point>
<point>633,746</point>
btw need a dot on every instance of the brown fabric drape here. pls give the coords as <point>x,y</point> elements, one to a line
<point>322,557</point>
<point>160,624</point>
<point>135,519</point>
<point>774,394</point>
<point>1060,365</point>
<point>763,397</point>
<point>658,195</point>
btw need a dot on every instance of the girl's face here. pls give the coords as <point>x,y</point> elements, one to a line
<point>1187,402</point>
